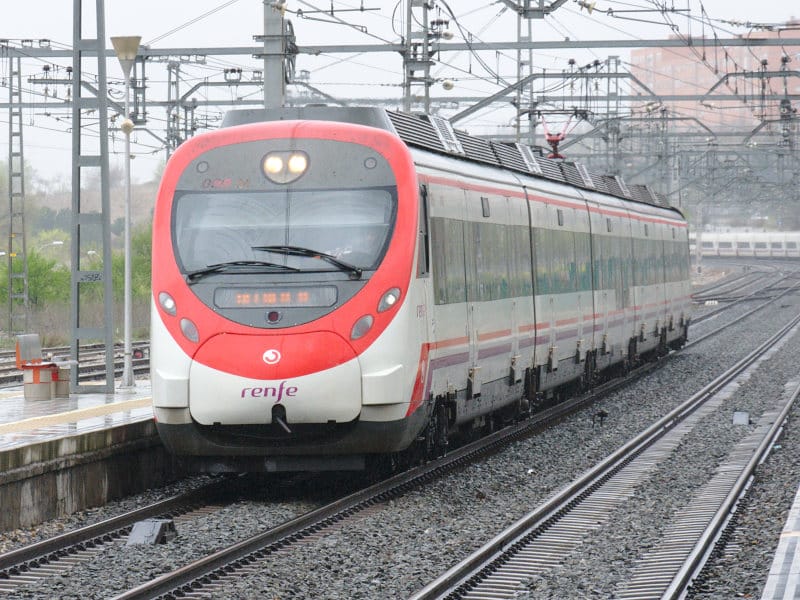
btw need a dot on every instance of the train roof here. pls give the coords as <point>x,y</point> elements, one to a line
<point>437,134</point>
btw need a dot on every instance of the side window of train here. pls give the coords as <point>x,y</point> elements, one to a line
<point>423,264</point>
<point>447,254</point>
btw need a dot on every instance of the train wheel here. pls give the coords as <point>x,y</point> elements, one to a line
<point>436,432</point>
<point>381,466</point>
<point>663,348</point>
<point>590,367</point>
<point>632,358</point>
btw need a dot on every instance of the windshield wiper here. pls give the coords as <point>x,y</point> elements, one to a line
<point>234,265</point>
<point>355,272</point>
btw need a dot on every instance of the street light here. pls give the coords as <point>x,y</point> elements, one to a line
<point>126,48</point>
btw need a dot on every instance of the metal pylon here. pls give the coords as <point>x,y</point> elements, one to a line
<point>91,221</point>
<point>417,58</point>
<point>16,254</point>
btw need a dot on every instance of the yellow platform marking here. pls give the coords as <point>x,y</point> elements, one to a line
<point>790,534</point>
<point>73,415</point>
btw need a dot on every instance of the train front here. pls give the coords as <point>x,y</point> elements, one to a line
<point>282,334</point>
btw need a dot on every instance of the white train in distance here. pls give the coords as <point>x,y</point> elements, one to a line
<point>753,244</point>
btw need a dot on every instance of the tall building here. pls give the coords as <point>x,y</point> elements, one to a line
<point>745,72</point>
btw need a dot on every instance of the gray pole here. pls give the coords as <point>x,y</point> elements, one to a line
<point>127,128</point>
<point>126,48</point>
<point>407,57</point>
<point>274,78</point>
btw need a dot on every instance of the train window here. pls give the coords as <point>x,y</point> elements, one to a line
<point>673,233</point>
<point>761,245</point>
<point>609,227</point>
<point>707,244</point>
<point>560,214</point>
<point>220,227</point>
<point>557,270</point>
<point>447,254</point>
<point>520,260</point>
<point>743,244</point>
<point>646,230</point>
<point>776,245</point>
<point>485,206</point>
<point>726,244</point>
<point>491,266</point>
<point>791,245</point>
<point>583,261</point>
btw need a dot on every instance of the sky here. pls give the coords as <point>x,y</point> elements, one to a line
<point>221,23</point>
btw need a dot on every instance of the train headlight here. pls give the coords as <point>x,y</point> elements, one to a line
<point>273,165</point>
<point>362,326</point>
<point>167,303</point>
<point>284,166</point>
<point>298,163</point>
<point>189,329</point>
<point>389,299</point>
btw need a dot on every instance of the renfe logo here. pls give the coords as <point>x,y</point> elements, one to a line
<point>271,357</point>
<point>277,392</point>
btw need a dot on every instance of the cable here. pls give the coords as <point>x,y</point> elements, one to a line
<point>191,22</point>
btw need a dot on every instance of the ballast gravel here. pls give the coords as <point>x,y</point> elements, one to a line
<point>394,550</point>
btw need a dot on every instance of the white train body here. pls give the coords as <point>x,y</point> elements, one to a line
<point>494,289</point>
<point>767,244</point>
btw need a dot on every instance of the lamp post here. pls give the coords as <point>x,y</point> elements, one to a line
<point>126,48</point>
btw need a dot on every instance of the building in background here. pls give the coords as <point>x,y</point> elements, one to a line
<point>717,71</point>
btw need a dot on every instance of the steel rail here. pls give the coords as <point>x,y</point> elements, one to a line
<point>712,535</point>
<point>221,564</point>
<point>756,295</point>
<point>28,558</point>
<point>192,575</point>
<point>789,290</point>
<point>469,572</point>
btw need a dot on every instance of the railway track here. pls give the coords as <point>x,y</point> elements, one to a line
<point>207,576</point>
<point>730,288</point>
<point>204,576</point>
<point>92,364</point>
<point>544,537</point>
<point>40,560</point>
<point>784,286</point>
<point>57,554</point>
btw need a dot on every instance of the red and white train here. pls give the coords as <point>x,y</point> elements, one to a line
<point>332,286</point>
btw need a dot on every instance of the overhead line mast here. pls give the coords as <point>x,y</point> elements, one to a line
<point>16,251</point>
<point>91,221</point>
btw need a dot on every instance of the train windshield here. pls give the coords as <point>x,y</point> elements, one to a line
<point>354,226</point>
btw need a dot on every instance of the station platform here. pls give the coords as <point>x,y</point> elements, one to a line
<point>24,422</point>
<point>62,455</point>
<point>783,582</point>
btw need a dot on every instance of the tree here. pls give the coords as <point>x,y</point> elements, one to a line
<point>47,280</point>
<point>141,244</point>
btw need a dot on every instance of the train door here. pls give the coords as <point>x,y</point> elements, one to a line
<point>450,321</point>
<point>663,247</point>
<point>599,227</point>
<point>583,279</point>
<point>492,306</point>
<point>565,301</point>
<point>425,296</point>
<point>543,305</point>
<point>642,275</point>
<point>476,244</point>
<point>612,257</point>
<point>521,264</point>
